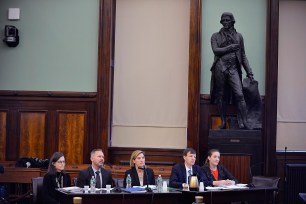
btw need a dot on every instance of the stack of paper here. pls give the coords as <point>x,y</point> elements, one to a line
<point>71,189</point>
<point>226,187</point>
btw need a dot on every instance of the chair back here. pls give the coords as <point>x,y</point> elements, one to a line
<point>37,187</point>
<point>263,181</point>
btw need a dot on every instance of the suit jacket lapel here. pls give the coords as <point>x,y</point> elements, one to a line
<point>104,179</point>
<point>183,169</point>
<point>91,172</point>
<point>193,170</point>
<point>137,182</point>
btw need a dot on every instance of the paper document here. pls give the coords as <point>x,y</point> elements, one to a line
<point>71,189</point>
<point>226,187</point>
<point>135,190</point>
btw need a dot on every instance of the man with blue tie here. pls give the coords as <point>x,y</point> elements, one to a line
<point>181,172</point>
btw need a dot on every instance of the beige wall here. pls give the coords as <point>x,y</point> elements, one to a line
<point>151,73</point>
<point>149,137</point>
<point>291,117</point>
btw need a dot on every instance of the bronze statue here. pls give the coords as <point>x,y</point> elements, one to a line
<point>226,79</point>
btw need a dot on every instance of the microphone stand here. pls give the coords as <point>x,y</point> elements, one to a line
<point>1,169</point>
<point>200,178</point>
<point>148,189</point>
<point>117,188</point>
<point>285,177</point>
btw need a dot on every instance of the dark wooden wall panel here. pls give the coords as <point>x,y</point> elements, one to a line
<point>238,165</point>
<point>32,134</point>
<point>71,135</point>
<point>37,121</point>
<point>3,122</point>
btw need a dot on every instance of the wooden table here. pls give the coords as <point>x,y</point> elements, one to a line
<point>251,195</point>
<point>260,195</point>
<point>123,197</point>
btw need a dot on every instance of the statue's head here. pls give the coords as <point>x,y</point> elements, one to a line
<point>227,19</point>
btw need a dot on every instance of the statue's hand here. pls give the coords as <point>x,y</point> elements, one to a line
<point>234,47</point>
<point>250,76</point>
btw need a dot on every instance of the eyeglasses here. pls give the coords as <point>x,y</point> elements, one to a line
<point>61,162</point>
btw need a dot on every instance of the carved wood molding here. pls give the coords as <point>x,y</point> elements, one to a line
<point>154,156</point>
<point>67,94</point>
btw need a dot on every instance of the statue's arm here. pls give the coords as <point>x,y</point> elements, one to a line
<point>220,51</point>
<point>245,61</point>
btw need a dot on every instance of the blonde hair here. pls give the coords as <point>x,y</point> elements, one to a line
<point>134,155</point>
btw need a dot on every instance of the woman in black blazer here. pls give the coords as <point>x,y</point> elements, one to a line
<point>141,176</point>
<point>217,174</point>
<point>55,178</point>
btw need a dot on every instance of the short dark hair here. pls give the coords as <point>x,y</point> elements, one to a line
<point>94,151</point>
<point>192,151</point>
<point>55,157</point>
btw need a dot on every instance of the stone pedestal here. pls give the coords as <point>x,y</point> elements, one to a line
<point>237,141</point>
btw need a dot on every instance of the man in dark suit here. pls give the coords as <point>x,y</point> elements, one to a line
<point>96,170</point>
<point>226,79</point>
<point>181,172</point>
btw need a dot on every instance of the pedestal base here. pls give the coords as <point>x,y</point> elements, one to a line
<point>244,142</point>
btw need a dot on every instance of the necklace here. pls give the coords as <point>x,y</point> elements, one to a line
<point>59,181</point>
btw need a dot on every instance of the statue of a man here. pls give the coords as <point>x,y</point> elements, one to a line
<point>226,80</point>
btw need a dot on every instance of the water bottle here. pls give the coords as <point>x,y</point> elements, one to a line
<point>159,183</point>
<point>92,184</point>
<point>128,181</point>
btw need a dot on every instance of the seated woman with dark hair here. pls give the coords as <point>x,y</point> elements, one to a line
<point>140,175</point>
<point>217,174</point>
<point>55,178</point>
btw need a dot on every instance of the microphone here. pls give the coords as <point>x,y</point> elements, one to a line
<point>110,166</point>
<point>259,164</point>
<point>1,169</point>
<point>285,175</point>
<point>117,188</point>
<point>285,155</point>
<point>142,167</point>
<point>200,178</point>
<point>148,189</point>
